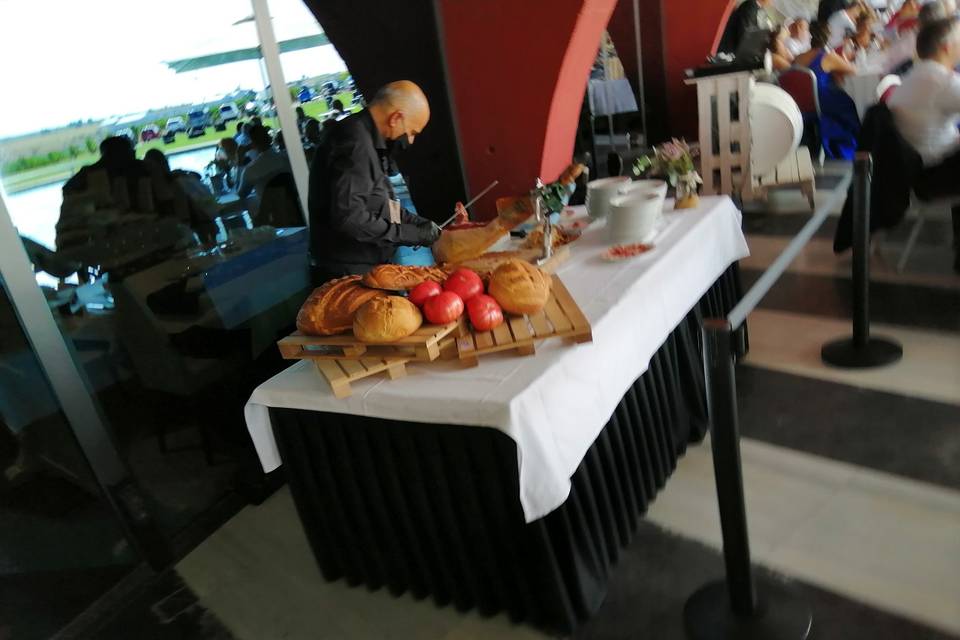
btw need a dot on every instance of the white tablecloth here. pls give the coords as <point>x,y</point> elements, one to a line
<point>553,404</point>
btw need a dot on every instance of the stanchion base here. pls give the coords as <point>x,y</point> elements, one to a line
<point>878,352</point>
<point>780,615</point>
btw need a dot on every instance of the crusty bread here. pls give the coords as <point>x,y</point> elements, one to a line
<point>331,307</point>
<point>520,288</point>
<point>395,277</point>
<point>386,319</point>
<point>485,265</point>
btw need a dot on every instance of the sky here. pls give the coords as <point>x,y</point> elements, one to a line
<point>65,60</point>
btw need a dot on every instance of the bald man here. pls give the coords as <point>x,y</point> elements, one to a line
<point>356,221</point>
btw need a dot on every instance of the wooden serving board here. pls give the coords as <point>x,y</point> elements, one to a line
<point>561,318</point>
<point>340,373</point>
<point>423,345</point>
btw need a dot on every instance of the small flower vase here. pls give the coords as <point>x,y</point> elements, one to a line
<point>687,197</point>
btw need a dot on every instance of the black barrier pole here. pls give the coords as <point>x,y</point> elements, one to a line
<point>860,350</point>
<point>735,609</point>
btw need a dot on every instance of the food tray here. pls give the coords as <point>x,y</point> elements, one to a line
<point>423,345</point>
<point>561,318</point>
<point>340,373</point>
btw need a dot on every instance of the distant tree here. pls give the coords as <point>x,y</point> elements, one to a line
<point>91,145</point>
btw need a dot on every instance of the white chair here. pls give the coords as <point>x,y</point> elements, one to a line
<point>921,211</point>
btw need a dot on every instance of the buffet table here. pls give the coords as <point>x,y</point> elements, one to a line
<point>512,486</point>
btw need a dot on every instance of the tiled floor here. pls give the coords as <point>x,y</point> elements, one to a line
<point>851,478</point>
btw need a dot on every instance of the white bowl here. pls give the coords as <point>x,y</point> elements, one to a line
<point>599,193</point>
<point>633,217</point>
<point>658,187</point>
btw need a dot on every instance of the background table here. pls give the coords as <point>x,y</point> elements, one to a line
<point>393,492</point>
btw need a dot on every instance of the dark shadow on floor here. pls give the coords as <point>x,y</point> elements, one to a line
<point>658,571</point>
<point>908,437</point>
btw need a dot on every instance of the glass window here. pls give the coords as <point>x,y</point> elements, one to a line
<point>168,241</point>
<point>61,546</point>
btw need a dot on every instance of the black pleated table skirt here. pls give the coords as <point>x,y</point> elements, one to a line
<point>434,510</point>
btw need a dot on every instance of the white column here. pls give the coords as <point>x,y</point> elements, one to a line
<point>270,51</point>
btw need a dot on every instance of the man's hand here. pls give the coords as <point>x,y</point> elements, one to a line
<point>427,232</point>
<point>461,212</point>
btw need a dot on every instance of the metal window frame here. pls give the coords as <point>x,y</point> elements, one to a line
<point>270,51</point>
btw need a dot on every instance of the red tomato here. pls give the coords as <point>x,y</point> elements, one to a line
<point>465,283</point>
<point>443,308</point>
<point>423,291</point>
<point>485,314</point>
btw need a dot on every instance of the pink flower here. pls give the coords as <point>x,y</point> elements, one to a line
<point>671,151</point>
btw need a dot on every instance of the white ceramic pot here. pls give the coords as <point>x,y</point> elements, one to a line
<point>599,193</point>
<point>633,217</point>
<point>658,187</point>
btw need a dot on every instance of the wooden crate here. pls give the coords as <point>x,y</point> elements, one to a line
<point>561,318</point>
<point>423,345</point>
<point>340,373</point>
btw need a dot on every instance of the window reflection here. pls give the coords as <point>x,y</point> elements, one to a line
<point>171,246</point>
<point>61,545</point>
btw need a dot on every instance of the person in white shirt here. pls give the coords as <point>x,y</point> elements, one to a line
<point>799,40</point>
<point>267,164</point>
<point>843,21</point>
<point>926,110</point>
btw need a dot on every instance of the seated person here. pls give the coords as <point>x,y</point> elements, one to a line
<point>779,52</point>
<point>751,14</point>
<point>839,121</point>
<point>866,39</point>
<point>842,22</point>
<point>267,164</point>
<point>926,109</point>
<point>116,182</point>
<point>181,194</point>
<point>799,40</point>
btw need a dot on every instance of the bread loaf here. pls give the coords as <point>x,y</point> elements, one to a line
<point>386,319</point>
<point>331,307</point>
<point>395,277</point>
<point>520,288</point>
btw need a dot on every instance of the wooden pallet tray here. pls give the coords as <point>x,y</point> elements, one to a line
<point>423,345</point>
<point>561,318</point>
<point>340,373</point>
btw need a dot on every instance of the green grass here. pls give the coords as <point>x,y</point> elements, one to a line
<point>24,180</point>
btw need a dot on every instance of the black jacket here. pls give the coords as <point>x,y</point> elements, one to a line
<point>743,18</point>
<point>350,228</point>
<point>897,169</point>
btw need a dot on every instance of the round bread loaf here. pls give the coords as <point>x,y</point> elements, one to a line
<point>519,287</point>
<point>386,319</point>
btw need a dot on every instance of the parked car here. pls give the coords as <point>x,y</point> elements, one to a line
<point>330,88</point>
<point>169,136</point>
<point>304,95</point>
<point>197,124</point>
<point>128,132</point>
<point>176,124</point>
<point>228,112</point>
<point>149,132</point>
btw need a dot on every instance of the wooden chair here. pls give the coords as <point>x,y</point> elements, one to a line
<point>726,138</point>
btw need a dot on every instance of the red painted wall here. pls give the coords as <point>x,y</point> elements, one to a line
<point>518,72</point>
<point>689,30</point>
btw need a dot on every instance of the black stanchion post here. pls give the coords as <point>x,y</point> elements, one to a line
<point>860,350</point>
<point>735,608</point>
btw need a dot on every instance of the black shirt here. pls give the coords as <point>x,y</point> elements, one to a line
<point>350,228</point>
